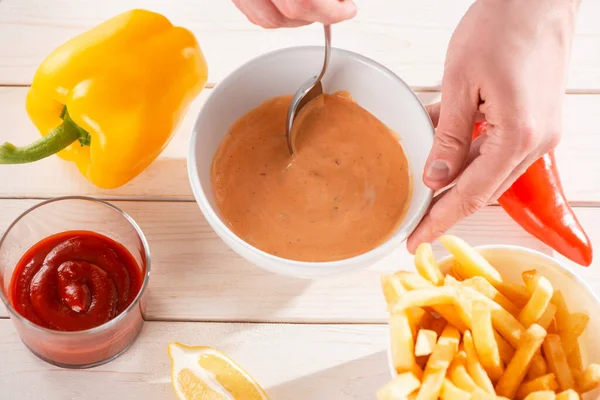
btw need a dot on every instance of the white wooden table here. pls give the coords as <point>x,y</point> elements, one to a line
<point>300,339</point>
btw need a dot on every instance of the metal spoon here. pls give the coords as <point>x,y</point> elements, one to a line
<point>307,92</point>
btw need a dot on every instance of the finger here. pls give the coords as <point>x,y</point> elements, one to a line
<point>543,149</point>
<point>472,191</point>
<point>520,170</point>
<point>264,13</point>
<point>453,132</point>
<point>434,113</point>
<point>324,11</point>
<point>474,152</point>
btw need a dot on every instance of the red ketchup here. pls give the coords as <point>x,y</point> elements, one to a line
<point>74,281</point>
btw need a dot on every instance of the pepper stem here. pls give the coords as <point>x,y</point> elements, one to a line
<point>61,137</point>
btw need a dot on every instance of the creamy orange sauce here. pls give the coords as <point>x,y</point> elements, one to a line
<point>344,192</point>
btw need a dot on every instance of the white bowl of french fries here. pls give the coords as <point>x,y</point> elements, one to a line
<point>491,322</point>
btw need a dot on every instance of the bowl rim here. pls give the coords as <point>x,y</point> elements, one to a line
<point>560,265</point>
<point>407,225</point>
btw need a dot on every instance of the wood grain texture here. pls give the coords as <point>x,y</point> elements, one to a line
<point>200,291</point>
<point>166,178</point>
<point>408,37</point>
<point>291,362</point>
<point>196,277</point>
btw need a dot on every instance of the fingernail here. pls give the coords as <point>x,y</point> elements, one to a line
<point>438,171</point>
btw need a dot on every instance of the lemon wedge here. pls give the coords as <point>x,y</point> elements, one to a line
<point>203,373</point>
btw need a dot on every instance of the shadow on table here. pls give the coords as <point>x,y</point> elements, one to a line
<point>197,277</point>
<point>357,379</point>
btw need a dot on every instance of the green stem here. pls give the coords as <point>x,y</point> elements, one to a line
<point>65,134</point>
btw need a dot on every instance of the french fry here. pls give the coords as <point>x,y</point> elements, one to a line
<point>412,281</point>
<point>504,322</point>
<point>536,306</point>
<point>563,320</point>
<point>590,378</point>
<point>544,382</point>
<point>552,328</point>
<point>448,312</point>
<point>479,284</point>
<point>447,343</point>
<point>424,320</point>
<point>418,318</point>
<point>426,264</point>
<point>516,369</point>
<point>511,329</point>
<point>520,336</point>
<point>392,289</point>
<point>438,363</point>
<point>517,294</point>
<point>575,362</point>
<point>475,300</point>
<point>557,361</point>
<point>455,271</point>
<point>485,343</point>
<point>421,361</point>
<point>538,366</point>
<point>438,325</point>
<point>414,315</point>
<point>463,305</point>
<point>399,387</point>
<point>505,349</point>
<point>530,279</point>
<point>480,394</point>
<point>451,392</point>
<point>474,366</point>
<point>426,298</point>
<point>568,395</point>
<point>402,343</point>
<point>562,311</point>
<point>570,333</point>
<point>457,372</point>
<point>543,395</point>
<point>426,341</point>
<point>545,321</point>
<point>471,263</point>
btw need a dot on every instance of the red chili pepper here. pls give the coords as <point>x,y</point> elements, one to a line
<point>537,202</point>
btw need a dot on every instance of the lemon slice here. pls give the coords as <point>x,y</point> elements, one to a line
<point>203,373</point>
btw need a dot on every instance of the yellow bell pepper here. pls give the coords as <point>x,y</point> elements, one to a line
<point>110,99</point>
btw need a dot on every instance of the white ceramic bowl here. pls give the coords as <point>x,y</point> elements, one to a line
<point>281,72</point>
<point>511,261</point>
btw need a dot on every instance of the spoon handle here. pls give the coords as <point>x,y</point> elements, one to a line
<point>327,29</point>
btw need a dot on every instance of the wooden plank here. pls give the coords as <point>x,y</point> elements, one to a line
<point>165,179</point>
<point>55,177</point>
<point>310,361</point>
<point>196,277</point>
<point>408,37</point>
<point>576,156</point>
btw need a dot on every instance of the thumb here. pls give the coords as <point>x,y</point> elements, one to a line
<point>452,139</point>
